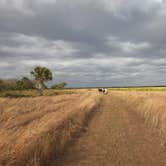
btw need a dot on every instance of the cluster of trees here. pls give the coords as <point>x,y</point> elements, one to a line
<point>13,84</point>
<point>41,76</point>
<point>25,83</point>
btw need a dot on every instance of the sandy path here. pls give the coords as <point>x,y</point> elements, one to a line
<point>116,136</point>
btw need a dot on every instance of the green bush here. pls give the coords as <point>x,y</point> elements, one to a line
<point>59,86</point>
<point>24,83</point>
<point>13,84</point>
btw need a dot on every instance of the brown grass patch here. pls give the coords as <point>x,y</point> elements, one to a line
<point>150,105</point>
<point>34,130</point>
<point>34,93</point>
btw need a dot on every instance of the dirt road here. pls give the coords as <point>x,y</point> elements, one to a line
<point>116,136</point>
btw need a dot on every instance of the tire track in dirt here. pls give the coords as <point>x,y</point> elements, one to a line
<point>116,136</point>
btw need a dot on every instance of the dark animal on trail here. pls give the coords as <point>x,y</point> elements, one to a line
<point>100,89</point>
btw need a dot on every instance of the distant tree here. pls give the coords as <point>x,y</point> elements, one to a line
<point>59,86</point>
<point>41,75</point>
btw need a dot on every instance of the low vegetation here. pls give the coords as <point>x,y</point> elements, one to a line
<point>34,93</point>
<point>41,75</point>
<point>139,89</point>
<point>34,130</point>
<point>150,105</point>
<point>59,86</point>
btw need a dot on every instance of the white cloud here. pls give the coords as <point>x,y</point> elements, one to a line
<point>127,46</point>
<point>124,8</point>
<point>130,47</point>
<point>47,1</point>
<point>22,6</point>
<point>16,6</point>
<point>4,64</point>
<point>37,45</point>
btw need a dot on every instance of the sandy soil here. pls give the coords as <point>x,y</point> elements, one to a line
<point>116,136</point>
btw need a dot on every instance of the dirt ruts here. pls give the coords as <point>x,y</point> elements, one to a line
<point>116,136</point>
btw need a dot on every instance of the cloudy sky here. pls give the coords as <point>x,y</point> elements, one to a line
<point>85,42</point>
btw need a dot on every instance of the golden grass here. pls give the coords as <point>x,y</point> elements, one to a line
<point>150,105</point>
<point>34,130</point>
<point>139,89</point>
<point>34,92</point>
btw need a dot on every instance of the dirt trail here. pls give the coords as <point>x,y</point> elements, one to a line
<point>116,136</point>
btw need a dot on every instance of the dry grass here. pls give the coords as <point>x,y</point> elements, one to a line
<point>139,89</point>
<point>34,93</point>
<point>150,105</point>
<point>34,130</point>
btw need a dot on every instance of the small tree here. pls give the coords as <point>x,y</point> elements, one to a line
<point>41,75</point>
<point>59,86</point>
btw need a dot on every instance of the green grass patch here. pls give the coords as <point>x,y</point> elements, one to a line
<point>139,89</point>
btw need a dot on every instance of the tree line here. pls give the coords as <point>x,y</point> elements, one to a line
<point>40,74</point>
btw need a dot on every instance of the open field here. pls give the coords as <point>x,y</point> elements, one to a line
<point>53,92</point>
<point>149,105</point>
<point>129,128</point>
<point>34,130</point>
<point>123,133</point>
<point>139,89</point>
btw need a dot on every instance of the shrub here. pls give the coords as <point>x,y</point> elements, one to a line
<point>59,86</point>
<point>24,83</point>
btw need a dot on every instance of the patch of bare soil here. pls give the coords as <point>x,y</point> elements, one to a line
<point>117,136</point>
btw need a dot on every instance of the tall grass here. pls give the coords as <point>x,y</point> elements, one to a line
<point>34,130</point>
<point>34,93</point>
<point>151,106</point>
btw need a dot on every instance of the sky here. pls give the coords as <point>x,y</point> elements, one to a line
<point>85,42</point>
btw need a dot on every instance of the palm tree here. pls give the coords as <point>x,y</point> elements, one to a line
<point>41,75</point>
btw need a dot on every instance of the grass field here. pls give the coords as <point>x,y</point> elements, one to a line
<point>54,92</point>
<point>34,93</point>
<point>33,130</point>
<point>150,105</point>
<point>120,135</point>
<point>139,89</point>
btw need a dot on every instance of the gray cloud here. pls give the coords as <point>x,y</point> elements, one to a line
<point>86,43</point>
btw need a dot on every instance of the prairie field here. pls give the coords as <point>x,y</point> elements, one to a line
<point>33,130</point>
<point>151,105</point>
<point>83,127</point>
<point>139,89</point>
<point>128,130</point>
